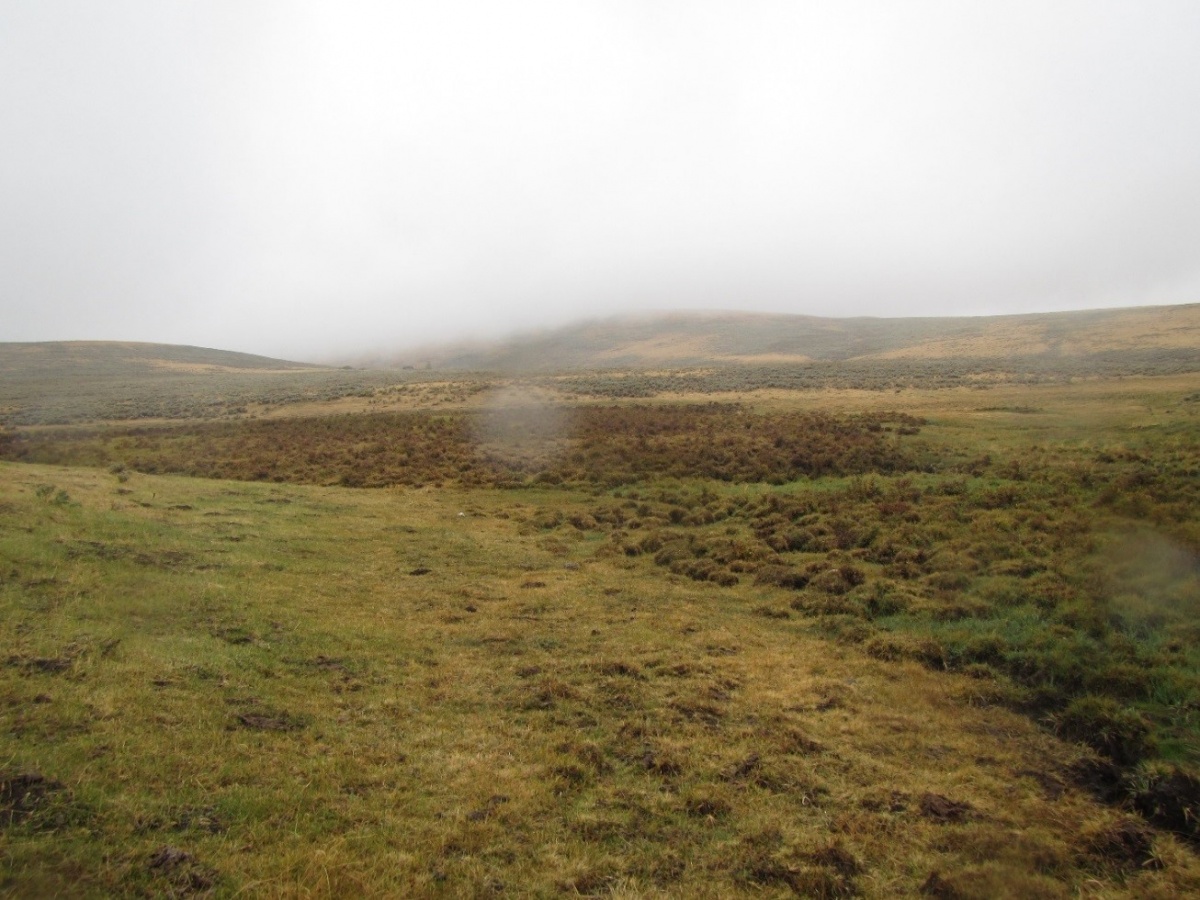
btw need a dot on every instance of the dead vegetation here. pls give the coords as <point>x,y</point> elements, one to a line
<point>596,445</point>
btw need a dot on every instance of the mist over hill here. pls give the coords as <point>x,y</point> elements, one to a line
<point>714,338</point>
<point>85,381</point>
<point>677,340</point>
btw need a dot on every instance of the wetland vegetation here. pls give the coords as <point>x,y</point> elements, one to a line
<point>715,636</point>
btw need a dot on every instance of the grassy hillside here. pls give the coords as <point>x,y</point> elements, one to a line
<point>740,338</point>
<point>121,359</point>
<point>730,354</point>
<point>81,381</point>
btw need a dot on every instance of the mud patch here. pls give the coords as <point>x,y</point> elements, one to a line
<point>1172,800</point>
<point>890,802</point>
<point>661,762</point>
<point>943,809</point>
<point>705,713</point>
<point>165,559</point>
<point>346,679</point>
<point>629,670</point>
<point>267,720</point>
<point>1052,786</point>
<point>22,795</point>
<point>97,550</point>
<point>324,663</point>
<point>186,818</point>
<point>233,634</point>
<point>1102,778</point>
<point>1127,843</point>
<point>187,875</point>
<point>707,807</point>
<point>744,768</point>
<point>485,812</point>
<point>162,559</point>
<point>828,872</point>
<point>839,859</point>
<point>44,665</point>
<point>547,692</point>
<point>940,889</point>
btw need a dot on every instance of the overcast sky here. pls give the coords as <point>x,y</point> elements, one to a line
<point>299,178</point>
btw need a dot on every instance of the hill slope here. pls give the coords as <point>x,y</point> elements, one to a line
<point>691,339</point>
<point>83,381</point>
<point>127,359</point>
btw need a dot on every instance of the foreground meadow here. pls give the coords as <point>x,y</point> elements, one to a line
<point>844,645</point>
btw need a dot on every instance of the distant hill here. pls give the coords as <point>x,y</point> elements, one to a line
<point>71,382</point>
<point>63,382</point>
<point>697,339</point>
<point>128,359</point>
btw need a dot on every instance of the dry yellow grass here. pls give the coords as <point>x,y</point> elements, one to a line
<point>1163,328</point>
<point>662,348</point>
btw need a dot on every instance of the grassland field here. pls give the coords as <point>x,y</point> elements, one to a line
<point>507,637</point>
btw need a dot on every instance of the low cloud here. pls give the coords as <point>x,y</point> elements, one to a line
<point>300,179</point>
